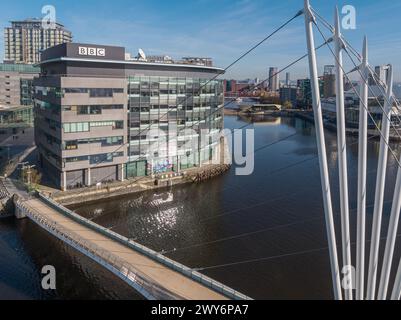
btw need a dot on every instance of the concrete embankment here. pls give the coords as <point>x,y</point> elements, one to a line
<point>117,189</point>
<point>372,133</point>
<point>210,173</point>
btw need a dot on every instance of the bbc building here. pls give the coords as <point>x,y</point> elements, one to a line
<point>100,117</point>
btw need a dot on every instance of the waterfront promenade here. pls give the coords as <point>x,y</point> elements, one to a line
<point>136,185</point>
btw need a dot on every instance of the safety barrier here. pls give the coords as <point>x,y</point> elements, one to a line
<point>207,281</point>
<point>4,198</point>
<point>118,266</point>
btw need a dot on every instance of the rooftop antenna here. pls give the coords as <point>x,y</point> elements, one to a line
<point>141,55</point>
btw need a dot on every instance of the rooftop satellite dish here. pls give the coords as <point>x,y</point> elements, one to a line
<point>141,55</point>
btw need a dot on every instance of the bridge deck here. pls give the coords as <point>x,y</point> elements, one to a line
<point>167,278</point>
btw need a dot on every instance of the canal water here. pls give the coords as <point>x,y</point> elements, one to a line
<point>262,234</point>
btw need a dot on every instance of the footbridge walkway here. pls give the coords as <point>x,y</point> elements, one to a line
<point>150,273</point>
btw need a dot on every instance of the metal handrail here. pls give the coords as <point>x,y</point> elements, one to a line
<point>191,273</point>
<point>120,265</point>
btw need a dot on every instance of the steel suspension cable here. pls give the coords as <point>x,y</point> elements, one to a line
<point>377,221</point>
<point>255,86</point>
<point>367,109</point>
<point>246,234</point>
<point>356,68</point>
<point>272,257</point>
<point>270,174</point>
<point>229,66</point>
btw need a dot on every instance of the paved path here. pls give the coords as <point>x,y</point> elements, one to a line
<point>160,274</point>
<point>24,139</point>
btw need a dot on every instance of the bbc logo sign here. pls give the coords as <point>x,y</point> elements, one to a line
<point>86,51</point>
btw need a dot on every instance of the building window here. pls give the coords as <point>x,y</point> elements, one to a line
<point>85,126</point>
<point>82,110</point>
<point>115,124</point>
<point>76,127</point>
<point>94,93</point>
<point>96,109</point>
<point>52,140</point>
<point>119,125</point>
<point>112,141</point>
<point>71,145</point>
<point>75,90</point>
<point>136,169</point>
<point>105,157</point>
<point>76,159</point>
<point>105,142</point>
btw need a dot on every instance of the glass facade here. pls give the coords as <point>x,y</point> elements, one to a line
<point>72,127</point>
<point>19,67</point>
<point>17,116</point>
<point>104,142</point>
<point>26,90</point>
<point>166,116</point>
<point>95,92</point>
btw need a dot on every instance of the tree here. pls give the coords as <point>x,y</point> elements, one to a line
<point>287,105</point>
<point>31,176</point>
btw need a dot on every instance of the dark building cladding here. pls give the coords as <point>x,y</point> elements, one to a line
<point>305,92</point>
<point>289,94</point>
<point>99,117</point>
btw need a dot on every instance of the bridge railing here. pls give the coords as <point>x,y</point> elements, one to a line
<point>197,276</point>
<point>149,288</point>
<point>4,193</point>
<point>4,198</point>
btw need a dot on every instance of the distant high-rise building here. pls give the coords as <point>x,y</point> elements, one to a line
<point>25,40</point>
<point>329,82</point>
<point>274,80</point>
<point>287,79</point>
<point>380,75</point>
<point>230,87</point>
<point>305,92</point>
<point>381,72</point>
<point>289,94</point>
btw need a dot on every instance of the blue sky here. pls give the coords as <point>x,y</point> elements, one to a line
<point>221,29</point>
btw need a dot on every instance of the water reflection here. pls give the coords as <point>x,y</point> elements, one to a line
<point>262,234</point>
<point>260,119</point>
<point>25,248</point>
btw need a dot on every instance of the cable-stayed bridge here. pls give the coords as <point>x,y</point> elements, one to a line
<point>161,278</point>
